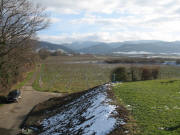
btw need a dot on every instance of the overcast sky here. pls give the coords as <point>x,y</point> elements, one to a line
<point>111,20</point>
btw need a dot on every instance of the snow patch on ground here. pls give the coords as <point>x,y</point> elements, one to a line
<point>91,114</point>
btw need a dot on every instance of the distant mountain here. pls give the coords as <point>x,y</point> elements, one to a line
<point>81,45</point>
<point>101,48</point>
<point>153,47</point>
<point>88,47</point>
<point>141,41</point>
<point>51,46</point>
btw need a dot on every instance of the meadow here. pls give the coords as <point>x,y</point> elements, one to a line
<point>68,74</point>
<point>154,105</point>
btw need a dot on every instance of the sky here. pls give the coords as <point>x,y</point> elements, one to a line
<point>111,20</point>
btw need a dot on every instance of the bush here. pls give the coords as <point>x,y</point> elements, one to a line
<point>43,54</point>
<point>149,73</point>
<point>178,61</point>
<point>56,53</point>
<point>14,65</point>
<point>155,73</point>
<point>134,72</point>
<point>146,73</point>
<point>119,74</point>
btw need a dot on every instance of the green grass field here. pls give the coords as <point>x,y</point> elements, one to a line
<point>167,72</point>
<point>155,105</point>
<point>63,74</point>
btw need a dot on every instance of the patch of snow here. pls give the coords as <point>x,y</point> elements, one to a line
<point>126,132</point>
<point>129,107</point>
<point>114,84</point>
<point>87,115</point>
<point>166,107</point>
<point>134,52</point>
<point>161,128</point>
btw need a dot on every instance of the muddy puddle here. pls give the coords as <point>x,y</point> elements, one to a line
<point>90,114</point>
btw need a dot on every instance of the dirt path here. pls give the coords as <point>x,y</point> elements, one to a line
<point>12,115</point>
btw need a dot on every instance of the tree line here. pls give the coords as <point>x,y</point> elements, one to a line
<point>135,73</point>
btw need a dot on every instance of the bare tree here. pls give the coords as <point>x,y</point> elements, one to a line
<point>19,21</point>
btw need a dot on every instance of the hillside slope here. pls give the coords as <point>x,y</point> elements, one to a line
<point>51,46</point>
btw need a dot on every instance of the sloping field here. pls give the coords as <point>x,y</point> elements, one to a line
<point>155,105</point>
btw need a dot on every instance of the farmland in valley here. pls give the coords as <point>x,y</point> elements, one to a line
<point>69,74</point>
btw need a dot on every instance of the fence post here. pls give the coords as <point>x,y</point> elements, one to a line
<point>114,77</point>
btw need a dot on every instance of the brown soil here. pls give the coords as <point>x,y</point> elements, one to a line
<point>44,109</point>
<point>12,115</point>
<point>130,128</point>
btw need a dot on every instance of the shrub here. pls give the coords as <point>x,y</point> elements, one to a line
<point>155,73</point>
<point>178,61</point>
<point>43,54</point>
<point>119,74</point>
<point>56,53</point>
<point>146,73</point>
<point>134,72</point>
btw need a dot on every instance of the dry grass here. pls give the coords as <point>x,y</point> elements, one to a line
<point>71,74</point>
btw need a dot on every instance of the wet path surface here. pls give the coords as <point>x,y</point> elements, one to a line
<point>91,114</point>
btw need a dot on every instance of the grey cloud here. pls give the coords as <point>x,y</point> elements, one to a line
<point>158,17</point>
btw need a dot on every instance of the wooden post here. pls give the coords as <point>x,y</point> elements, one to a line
<point>114,77</point>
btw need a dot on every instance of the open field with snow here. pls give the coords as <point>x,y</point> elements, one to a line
<point>145,107</point>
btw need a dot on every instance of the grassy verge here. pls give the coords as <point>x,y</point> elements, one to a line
<point>19,85</point>
<point>27,78</point>
<point>36,84</point>
<point>155,105</point>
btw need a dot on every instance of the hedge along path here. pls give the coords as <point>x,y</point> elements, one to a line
<point>12,115</point>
